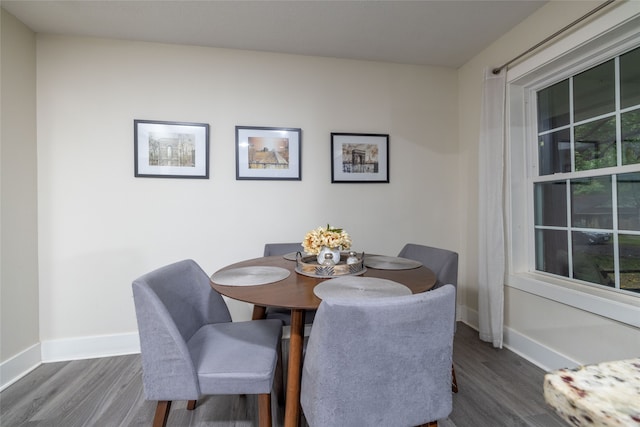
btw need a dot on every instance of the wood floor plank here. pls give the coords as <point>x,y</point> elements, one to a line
<point>497,388</point>
<point>86,398</point>
<point>25,397</point>
<point>545,420</point>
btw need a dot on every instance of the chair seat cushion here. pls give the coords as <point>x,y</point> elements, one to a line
<point>236,357</point>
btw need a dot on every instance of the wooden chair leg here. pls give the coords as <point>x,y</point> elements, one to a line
<point>191,405</point>
<point>162,413</point>
<point>430,424</point>
<point>279,379</point>
<point>454,382</point>
<point>264,410</point>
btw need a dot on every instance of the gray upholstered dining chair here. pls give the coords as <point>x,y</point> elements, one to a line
<point>271,249</point>
<point>380,361</point>
<point>191,348</point>
<point>444,263</point>
<point>283,314</point>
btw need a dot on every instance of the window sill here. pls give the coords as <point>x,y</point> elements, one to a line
<point>612,305</point>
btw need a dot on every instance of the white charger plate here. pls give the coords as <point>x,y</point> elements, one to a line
<point>360,287</point>
<point>291,256</point>
<point>382,262</point>
<point>250,276</point>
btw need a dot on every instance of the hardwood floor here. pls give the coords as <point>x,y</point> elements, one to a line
<point>497,388</point>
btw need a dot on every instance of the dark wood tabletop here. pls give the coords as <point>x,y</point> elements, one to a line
<point>296,291</point>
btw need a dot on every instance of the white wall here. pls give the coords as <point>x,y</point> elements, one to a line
<point>100,227</point>
<point>545,331</point>
<point>18,198</point>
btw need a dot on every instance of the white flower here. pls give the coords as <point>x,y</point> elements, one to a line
<point>315,239</point>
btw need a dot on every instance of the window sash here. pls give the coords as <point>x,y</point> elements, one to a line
<point>571,230</point>
<point>600,40</point>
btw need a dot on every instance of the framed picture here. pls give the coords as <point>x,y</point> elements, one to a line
<point>359,157</point>
<point>171,149</point>
<point>268,153</point>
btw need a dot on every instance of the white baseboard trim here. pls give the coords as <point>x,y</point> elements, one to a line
<point>11,370</point>
<point>90,347</point>
<point>539,354</point>
<point>469,317</point>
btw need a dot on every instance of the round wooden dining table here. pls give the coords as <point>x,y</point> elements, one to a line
<point>295,292</point>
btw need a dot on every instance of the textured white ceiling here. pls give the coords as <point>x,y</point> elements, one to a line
<point>443,33</point>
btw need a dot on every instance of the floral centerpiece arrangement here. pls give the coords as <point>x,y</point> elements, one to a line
<point>334,239</point>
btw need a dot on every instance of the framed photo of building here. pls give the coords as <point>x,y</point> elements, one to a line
<point>359,157</point>
<point>171,149</point>
<point>268,153</point>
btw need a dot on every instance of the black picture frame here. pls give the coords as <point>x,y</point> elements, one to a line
<point>359,158</point>
<point>268,153</point>
<point>165,149</point>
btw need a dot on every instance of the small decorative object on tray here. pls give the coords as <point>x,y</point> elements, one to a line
<point>325,259</point>
<point>353,259</point>
<point>308,265</point>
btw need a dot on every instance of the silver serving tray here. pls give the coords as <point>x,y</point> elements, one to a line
<point>325,273</point>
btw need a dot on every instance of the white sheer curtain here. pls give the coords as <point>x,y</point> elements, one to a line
<point>491,251</point>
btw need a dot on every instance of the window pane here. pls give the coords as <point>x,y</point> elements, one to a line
<point>551,204</point>
<point>554,152</point>
<point>594,92</point>
<point>593,257</point>
<point>630,123</point>
<point>630,78</point>
<point>629,262</point>
<point>553,106</point>
<point>589,125</point>
<point>551,252</point>
<point>629,201</point>
<point>591,203</point>
<point>595,144</point>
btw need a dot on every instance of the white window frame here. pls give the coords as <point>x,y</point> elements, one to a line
<point>604,38</point>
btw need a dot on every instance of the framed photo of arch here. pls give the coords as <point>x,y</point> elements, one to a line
<point>359,157</point>
<point>171,149</point>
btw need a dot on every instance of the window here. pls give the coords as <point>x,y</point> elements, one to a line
<point>586,184</point>
<point>563,199</point>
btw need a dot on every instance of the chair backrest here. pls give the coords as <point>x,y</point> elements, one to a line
<point>271,249</point>
<point>443,262</point>
<point>382,361</point>
<point>171,304</point>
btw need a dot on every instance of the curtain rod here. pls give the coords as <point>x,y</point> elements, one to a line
<point>552,36</point>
